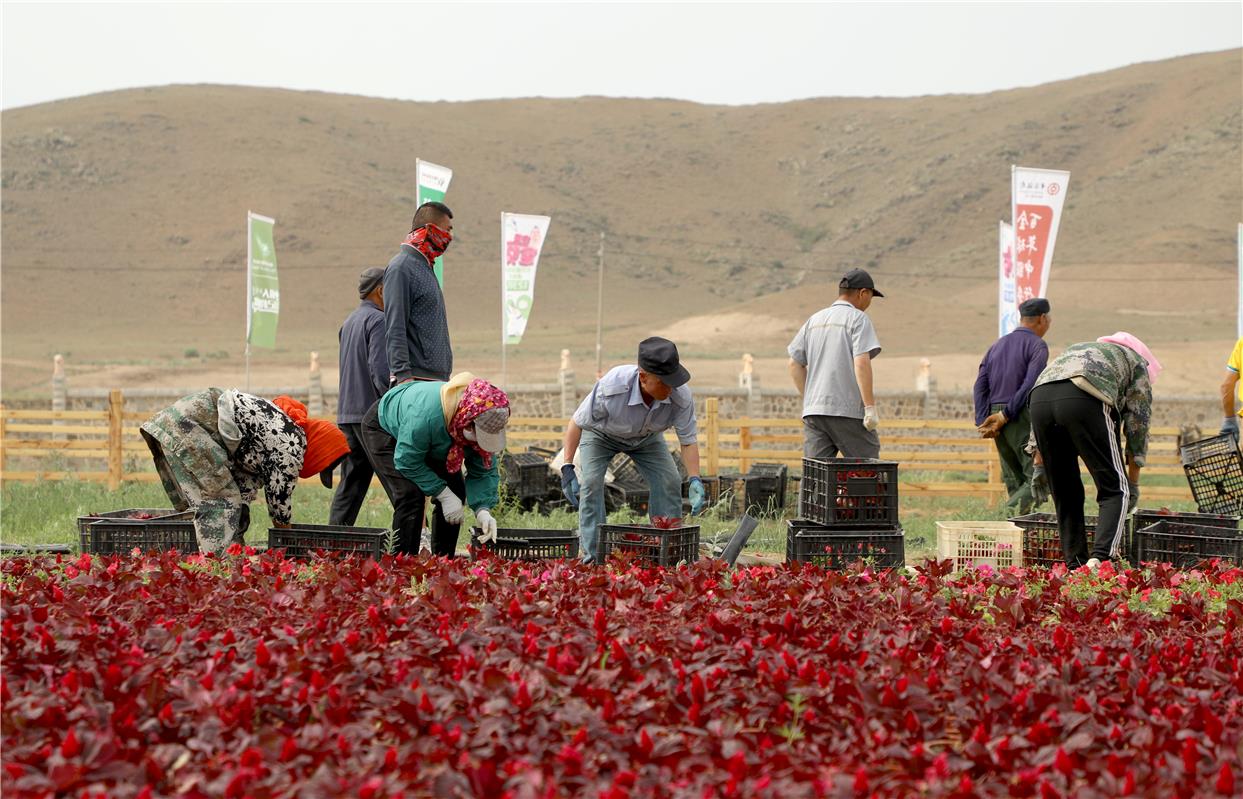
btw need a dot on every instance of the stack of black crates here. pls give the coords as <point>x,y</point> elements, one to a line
<point>1214,469</point>
<point>848,511</point>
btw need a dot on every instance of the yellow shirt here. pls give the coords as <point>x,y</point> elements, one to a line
<point>1235,364</point>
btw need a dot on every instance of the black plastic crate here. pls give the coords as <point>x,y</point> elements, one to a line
<point>766,486</point>
<point>849,491</point>
<point>1042,541</point>
<point>120,536</point>
<point>659,547</point>
<point>528,544</point>
<point>712,489</point>
<point>1214,469</point>
<point>527,475</point>
<point>626,471</point>
<point>637,497</point>
<point>305,540</point>
<point>153,514</point>
<point>837,547</point>
<point>1145,517</point>
<point>1186,544</point>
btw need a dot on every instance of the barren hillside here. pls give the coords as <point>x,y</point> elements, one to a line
<point>123,220</point>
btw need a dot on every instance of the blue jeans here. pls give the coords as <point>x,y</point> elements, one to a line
<point>656,464</point>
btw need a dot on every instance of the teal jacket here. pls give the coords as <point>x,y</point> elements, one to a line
<point>412,414</point>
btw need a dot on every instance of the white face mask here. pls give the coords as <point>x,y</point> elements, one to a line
<point>469,433</point>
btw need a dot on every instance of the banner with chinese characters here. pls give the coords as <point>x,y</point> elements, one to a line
<point>1036,199</point>
<point>263,299</point>
<point>432,183</point>
<point>522,236</point>
<point>1007,308</point>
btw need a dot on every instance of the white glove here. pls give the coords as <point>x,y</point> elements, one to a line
<point>870,420</point>
<point>487,526</point>
<point>451,506</point>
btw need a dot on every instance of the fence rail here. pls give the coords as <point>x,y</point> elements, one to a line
<point>950,453</point>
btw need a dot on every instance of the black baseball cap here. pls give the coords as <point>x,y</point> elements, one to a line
<point>859,279</point>
<point>659,356</point>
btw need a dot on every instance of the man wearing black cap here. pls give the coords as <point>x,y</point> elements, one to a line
<point>831,365</point>
<point>363,379</point>
<point>629,411</point>
<point>1007,375</point>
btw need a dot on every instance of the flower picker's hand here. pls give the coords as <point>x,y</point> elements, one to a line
<point>451,506</point>
<point>487,526</point>
<point>1040,485</point>
<point>569,484</point>
<point>697,495</point>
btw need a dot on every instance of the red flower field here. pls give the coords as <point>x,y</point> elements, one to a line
<point>257,676</point>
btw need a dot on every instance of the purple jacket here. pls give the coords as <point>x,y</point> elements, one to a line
<point>1008,373</point>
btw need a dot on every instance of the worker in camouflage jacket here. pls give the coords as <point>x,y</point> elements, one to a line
<point>1089,400</point>
<point>214,449</point>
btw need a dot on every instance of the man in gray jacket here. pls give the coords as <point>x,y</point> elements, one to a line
<point>415,323</point>
<point>363,380</point>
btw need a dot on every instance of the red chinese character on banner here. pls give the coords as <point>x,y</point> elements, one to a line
<point>519,252</point>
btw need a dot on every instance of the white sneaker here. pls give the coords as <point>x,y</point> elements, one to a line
<point>1093,564</point>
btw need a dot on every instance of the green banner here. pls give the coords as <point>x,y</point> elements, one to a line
<point>432,182</point>
<point>263,291</point>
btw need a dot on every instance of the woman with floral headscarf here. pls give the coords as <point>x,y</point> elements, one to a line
<point>1085,403</point>
<point>419,435</point>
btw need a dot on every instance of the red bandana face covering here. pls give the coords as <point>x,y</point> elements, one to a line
<point>430,240</point>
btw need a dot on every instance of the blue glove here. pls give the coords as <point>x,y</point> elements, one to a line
<point>569,484</point>
<point>1231,426</point>
<point>697,496</point>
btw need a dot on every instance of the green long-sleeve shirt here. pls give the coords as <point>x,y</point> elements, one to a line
<point>412,414</point>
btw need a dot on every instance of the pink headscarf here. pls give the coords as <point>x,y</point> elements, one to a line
<point>479,396</point>
<point>1135,345</point>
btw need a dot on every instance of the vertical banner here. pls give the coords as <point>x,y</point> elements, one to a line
<point>263,304</point>
<point>522,236</point>
<point>1036,199</point>
<point>432,183</point>
<point>1007,308</point>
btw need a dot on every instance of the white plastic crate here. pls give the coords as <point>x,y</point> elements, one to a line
<point>995,544</point>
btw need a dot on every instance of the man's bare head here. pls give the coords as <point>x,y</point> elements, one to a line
<point>432,213</point>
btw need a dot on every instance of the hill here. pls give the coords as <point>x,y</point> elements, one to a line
<point>123,219</point>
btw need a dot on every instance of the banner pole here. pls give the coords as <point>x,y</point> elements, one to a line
<point>249,300</point>
<point>504,366</point>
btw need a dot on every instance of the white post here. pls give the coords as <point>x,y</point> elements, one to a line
<point>600,314</point>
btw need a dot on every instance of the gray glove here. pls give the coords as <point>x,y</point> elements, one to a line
<point>1231,426</point>
<point>569,484</point>
<point>1040,485</point>
<point>1134,500</point>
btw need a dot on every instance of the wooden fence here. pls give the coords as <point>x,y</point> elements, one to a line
<point>946,457</point>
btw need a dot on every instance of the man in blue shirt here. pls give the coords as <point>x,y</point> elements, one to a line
<point>363,380</point>
<point>629,411</point>
<point>1007,375</point>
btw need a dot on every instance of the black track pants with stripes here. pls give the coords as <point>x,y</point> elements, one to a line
<point>1070,425</point>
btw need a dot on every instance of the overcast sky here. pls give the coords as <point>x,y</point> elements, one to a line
<point>707,52</point>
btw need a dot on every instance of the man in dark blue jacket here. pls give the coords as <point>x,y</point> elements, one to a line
<point>1007,375</point>
<point>364,379</point>
<point>416,326</point>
